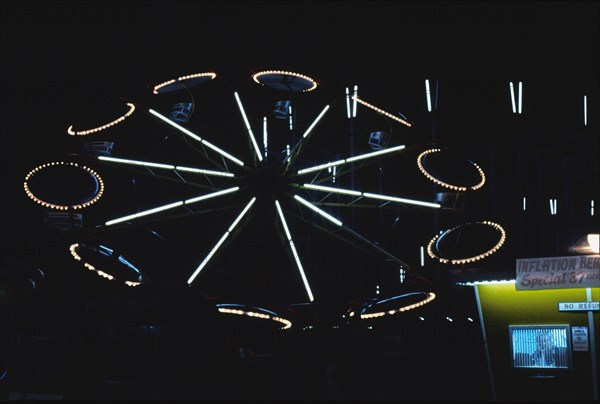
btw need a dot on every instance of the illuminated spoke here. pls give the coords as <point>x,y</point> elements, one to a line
<point>299,146</point>
<point>381,111</point>
<point>294,252</point>
<point>250,134</point>
<point>221,241</point>
<point>317,210</point>
<point>165,166</point>
<point>351,159</point>
<point>171,206</point>
<point>343,191</point>
<point>196,137</point>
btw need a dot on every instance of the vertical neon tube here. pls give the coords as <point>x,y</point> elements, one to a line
<point>428,95</point>
<point>290,116</point>
<point>348,102</point>
<point>524,204</point>
<point>354,101</point>
<point>551,207</point>
<point>422,256</point>
<point>512,98</point>
<point>265,137</point>
<point>592,207</point>
<point>287,150</point>
<point>585,110</point>
<point>520,97</point>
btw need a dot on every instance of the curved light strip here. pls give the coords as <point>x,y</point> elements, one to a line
<point>381,111</point>
<point>73,250</point>
<point>189,76</point>
<point>430,296</point>
<point>256,76</point>
<point>94,174</point>
<point>445,184</point>
<point>351,159</point>
<point>468,259</point>
<point>72,132</point>
<point>286,323</point>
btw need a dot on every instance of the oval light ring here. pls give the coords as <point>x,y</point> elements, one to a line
<point>77,206</point>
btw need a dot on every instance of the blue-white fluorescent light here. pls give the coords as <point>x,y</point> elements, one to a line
<point>221,241</point>
<point>317,210</point>
<point>512,98</point>
<point>520,97</point>
<point>354,101</point>
<point>310,128</point>
<point>253,140</point>
<point>196,137</point>
<point>428,94</point>
<point>347,102</point>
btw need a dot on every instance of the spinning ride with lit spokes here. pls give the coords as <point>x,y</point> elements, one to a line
<point>270,181</point>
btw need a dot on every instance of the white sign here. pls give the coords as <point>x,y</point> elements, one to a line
<point>578,306</point>
<point>579,338</point>
<point>578,271</point>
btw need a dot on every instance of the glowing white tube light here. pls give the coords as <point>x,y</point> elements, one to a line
<point>310,128</point>
<point>334,174</point>
<point>422,256</point>
<point>592,207</point>
<point>221,241</point>
<point>350,159</point>
<point>520,97</point>
<point>332,189</point>
<point>381,111</point>
<point>241,107</point>
<point>374,154</point>
<point>144,213</point>
<point>165,166</point>
<point>348,102</point>
<point>241,215</point>
<point>205,172</point>
<point>585,110</point>
<point>317,210</point>
<point>137,163</point>
<point>401,200</point>
<point>284,223</point>
<point>370,195</point>
<point>512,98</point>
<point>294,252</point>
<point>321,166</point>
<point>428,94</point>
<point>265,136</point>
<point>196,137</point>
<point>287,150</point>
<point>290,117</point>
<point>553,206</point>
<point>524,204</point>
<point>171,206</point>
<point>211,195</point>
<point>354,102</point>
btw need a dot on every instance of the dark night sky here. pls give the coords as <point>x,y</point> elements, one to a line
<point>63,60</point>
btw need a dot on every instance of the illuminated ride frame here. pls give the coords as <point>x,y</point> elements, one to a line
<point>302,186</point>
